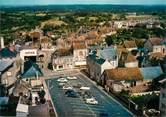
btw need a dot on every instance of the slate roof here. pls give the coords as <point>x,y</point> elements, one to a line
<point>4,64</point>
<point>7,53</point>
<point>4,101</point>
<point>31,70</point>
<point>149,73</point>
<point>96,59</point>
<point>108,53</point>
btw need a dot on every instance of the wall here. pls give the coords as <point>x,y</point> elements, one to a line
<point>131,64</point>
<point>28,52</point>
<point>162,105</point>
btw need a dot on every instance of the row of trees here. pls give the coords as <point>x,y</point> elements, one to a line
<point>135,33</point>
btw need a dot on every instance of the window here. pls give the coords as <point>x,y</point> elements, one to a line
<point>163,105</point>
<point>80,53</point>
<point>163,50</point>
<point>163,95</point>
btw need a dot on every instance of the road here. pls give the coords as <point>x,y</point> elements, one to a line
<point>76,107</point>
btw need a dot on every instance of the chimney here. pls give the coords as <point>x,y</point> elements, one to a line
<point>2,43</point>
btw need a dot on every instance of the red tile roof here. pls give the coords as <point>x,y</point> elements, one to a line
<point>156,41</point>
<point>130,44</point>
<point>79,46</point>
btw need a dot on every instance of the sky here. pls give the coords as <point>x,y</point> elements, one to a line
<point>48,2</point>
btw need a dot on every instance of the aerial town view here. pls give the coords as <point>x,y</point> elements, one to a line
<point>83,58</point>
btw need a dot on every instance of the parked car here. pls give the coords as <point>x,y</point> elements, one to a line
<point>91,101</point>
<point>62,80</point>
<point>84,88</point>
<point>67,87</point>
<point>103,114</point>
<point>71,93</point>
<point>72,78</point>
<point>61,84</point>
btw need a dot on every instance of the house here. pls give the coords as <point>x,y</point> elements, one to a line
<point>150,73</point>
<point>80,53</point>
<point>121,78</point>
<point>128,60</point>
<point>110,55</point>
<point>130,45</point>
<point>154,45</point>
<point>3,103</point>
<point>8,72</point>
<point>131,61</point>
<point>63,62</point>
<point>162,104</point>
<point>96,66</point>
<point>8,52</point>
<point>45,43</point>
<point>62,59</point>
<point>23,109</point>
<point>30,53</point>
<point>31,73</point>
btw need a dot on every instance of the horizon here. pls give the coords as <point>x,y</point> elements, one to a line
<point>81,2</point>
<point>81,5</point>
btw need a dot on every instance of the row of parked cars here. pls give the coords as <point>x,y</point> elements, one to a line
<point>77,90</point>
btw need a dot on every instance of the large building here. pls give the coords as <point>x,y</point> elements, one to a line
<point>80,53</point>
<point>8,73</point>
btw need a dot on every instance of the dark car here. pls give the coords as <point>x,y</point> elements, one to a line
<point>103,114</point>
<point>71,93</point>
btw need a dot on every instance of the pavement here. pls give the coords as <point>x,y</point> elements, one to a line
<point>76,107</point>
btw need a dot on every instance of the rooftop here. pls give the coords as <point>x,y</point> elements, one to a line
<point>108,53</point>
<point>39,110</point>
<point>97,59</point>
<point>7,53</point>
<point>31,70</point>
<point>130,44</point>
<point>4,101</point>
<point>156,41</point>
<point>4,64</point>
<point>149,73</point>
<point>77,46</point>
<point>130,58</point>
<point>120,74</point>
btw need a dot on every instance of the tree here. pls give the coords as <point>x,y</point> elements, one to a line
<point>109,40</point>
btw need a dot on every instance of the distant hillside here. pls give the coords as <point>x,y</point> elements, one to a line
<point>87,8</point>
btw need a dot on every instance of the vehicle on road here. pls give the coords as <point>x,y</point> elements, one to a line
<point>103,114</point>
<point>91,101</point>
<point>72,78</point>
<point>62,80</point>
<point>71,93</point>
<point>61,84</point>
<point>85,88</point>
<point>67,87</point>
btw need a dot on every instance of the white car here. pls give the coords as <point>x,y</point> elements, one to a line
<point>62,80</point>
<point>72,78</point>
<point>85,88</point>
<point>91,101</point>
<point>67,87</point>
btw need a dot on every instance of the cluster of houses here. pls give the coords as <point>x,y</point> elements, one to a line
<point>22,89</point>
<point>120,67</point>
